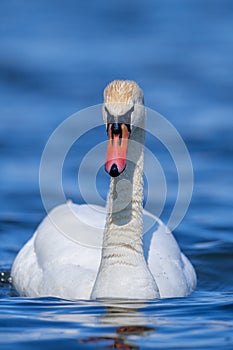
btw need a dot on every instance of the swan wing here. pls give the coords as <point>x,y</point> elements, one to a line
<point>63,256</point>
<point>171,269</point>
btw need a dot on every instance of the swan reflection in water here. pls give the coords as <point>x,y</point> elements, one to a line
<point>128,320</point>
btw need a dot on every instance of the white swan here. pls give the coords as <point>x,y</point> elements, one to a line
<point>129,265</point>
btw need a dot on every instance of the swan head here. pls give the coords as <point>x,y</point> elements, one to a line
<point>123,110</point>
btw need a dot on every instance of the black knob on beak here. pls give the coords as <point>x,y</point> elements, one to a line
<point>116,129</point>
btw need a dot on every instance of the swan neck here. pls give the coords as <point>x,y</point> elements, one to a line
<point>125,204</point>
<point>123,271</point>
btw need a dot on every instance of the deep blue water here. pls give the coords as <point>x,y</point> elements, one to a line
<point>55,59</point>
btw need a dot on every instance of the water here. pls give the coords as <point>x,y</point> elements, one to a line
<point>55,59</point>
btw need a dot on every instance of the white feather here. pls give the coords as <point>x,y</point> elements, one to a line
<point>52,264</point>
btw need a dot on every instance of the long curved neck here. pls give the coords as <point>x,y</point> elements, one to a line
<point>123,271</point>
<point>123,225</point>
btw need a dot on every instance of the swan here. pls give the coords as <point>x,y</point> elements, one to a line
<point>124,263</point>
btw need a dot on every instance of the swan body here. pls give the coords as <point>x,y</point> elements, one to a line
<point>53,264</point>
<point>90,252</point>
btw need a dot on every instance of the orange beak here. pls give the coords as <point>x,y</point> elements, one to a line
<point>118,136</point>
